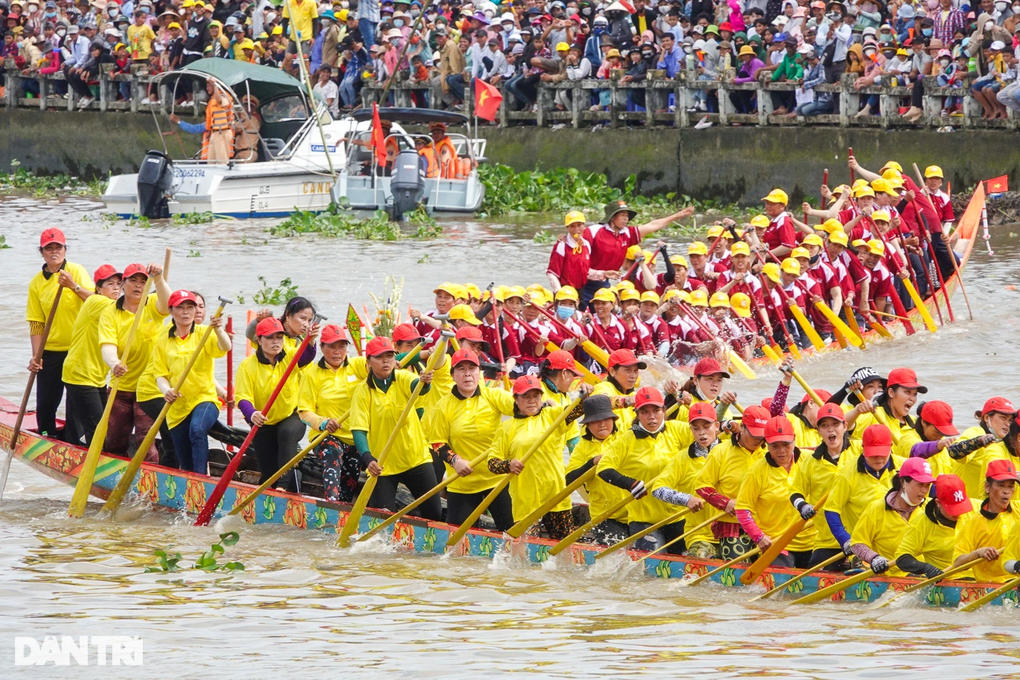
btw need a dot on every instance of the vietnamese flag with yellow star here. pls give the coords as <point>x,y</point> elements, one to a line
<point>487,100</point>
<point>998,185</point>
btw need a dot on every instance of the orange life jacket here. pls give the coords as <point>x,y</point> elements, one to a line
<point>431,163</point>
<point>447,158</point>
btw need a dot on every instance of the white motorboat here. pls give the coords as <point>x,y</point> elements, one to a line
<point>305,162</point>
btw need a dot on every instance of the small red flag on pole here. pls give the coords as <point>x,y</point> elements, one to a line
<point>378,138</point>
<point>998,185</point>
<point>487,100</point>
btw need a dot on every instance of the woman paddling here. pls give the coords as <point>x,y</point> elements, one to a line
<point>891,408</point>
<point>195,407</point>
<point>543,475</point>
<point>994,421</point>
<point>927,546</point>
<point>559,376</point>
<point>114,327</point>
<point>635,459</point>
<point>620,383</point>
<point>296,321</point>
<point>280,429</point>
<point>73,284</point>
<point>85,372</point>
<point>985,534</point>
<point>325,396</point>
<point>599,423</point>
<point>375,407</point>
<point>464,423</point>
<point>803,416</point>
<point>707,385</point>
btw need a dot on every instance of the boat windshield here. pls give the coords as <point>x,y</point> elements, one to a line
<point>284,109</point>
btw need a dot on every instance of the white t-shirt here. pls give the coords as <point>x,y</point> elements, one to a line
<point>327,92</point>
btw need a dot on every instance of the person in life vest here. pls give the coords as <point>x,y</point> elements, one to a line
<point>218,129</point>
<point>429,161</point>
<point>444,149</point>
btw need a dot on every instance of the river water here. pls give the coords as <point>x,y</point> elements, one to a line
<point>304,608</point>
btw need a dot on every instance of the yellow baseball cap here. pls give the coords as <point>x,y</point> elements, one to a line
<point>839,237</point>
<point>247,44</point>
<point>861,192</point>
<point>473,291</point>
<point>771,270</point>
<point>894,165</point>
<point>537,288</point>
<point>791,266</point>
<point>562,47</point>
<point>858,183</point>
<point>448,288</point>
<point>573,217</point>
<point>715,231</point>
<point>498,294</point>
<point>650,296</point>
<point>697,248</point>
<point>633,251</point>
<point>187,4</point>
<point>859,243</point>
<point>881,185</point>
<point>741,304</point>
<point>625,285</point>
<point>813,240</point>
<point>464,313</point>
<point>880,216</point>
<point>830,226</point>
<point>933,171</point>
<point>777,196</point>
<point>892,173</point>
<point>539,299</point>
<point>174,24</point>
<point>699,297</point>
<point>760,222</point>
<point>567,293</point>
<point>876,247</point>
<point>678,261</point>
<point>342,15</point>
<point>719,300</point>
<point>604,295</point>
<point>516,291</point>
<point>277,30</point>
<point>800,251</point>
<point>629,294</point>
<point>740,248</point>
<point>673,293</point>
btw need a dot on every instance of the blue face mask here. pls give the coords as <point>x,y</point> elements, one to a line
<point>599,29</point>
<point>564,312</point>
<point>398,22</point>
<point>926,32</point>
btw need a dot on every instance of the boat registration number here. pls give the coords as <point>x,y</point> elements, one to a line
<point>316,187</point>
<point>189,172</point>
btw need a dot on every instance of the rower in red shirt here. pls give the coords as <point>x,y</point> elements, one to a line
<point>781,234</point>
<point>700,275</point>
<point>648,317</point>
<point>533,349</point>
<point>489,328</point>
<point>785,276</point>
<point>570,259</point>
<point>604,324</point>
<point>880,285</point>
<point>719,258</point>
<point>821,283</point>
<point>944,207</point>
<point>739,278</point>
<point>447,296</point>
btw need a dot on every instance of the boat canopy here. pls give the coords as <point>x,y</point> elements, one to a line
<point>244,78</point>
<point>411,116</point>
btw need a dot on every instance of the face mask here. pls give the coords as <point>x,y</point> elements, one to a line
<point>600,29</point>
<point>988,25</point>
<point>586,11</point>
<point>932,4</point>
<point>926,32</point>
<point>903,495</point>
<point>564,312</point>
<point>114,12</point>
<point>49,14</point>
<point>61,32</point>
<point>33,9</point>
<point>869,7</point>
<point>944,62</point>
<point>398,22</point>
<point>834,16</point>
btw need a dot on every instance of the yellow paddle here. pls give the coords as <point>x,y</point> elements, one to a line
<point>928,581</point>
<point>690,531</point>
<point>797,376</point>
<point>837,322</point>
<point>644,532</point>
<point>807,572</point>
<point>806,326</point>
<point>128,477</point>
<point>929,322</point>
<point>88,471</point>
<point>518,529</point>
<point>738,558</point>
<point>835,588</point>
<point>1008,586</point>
<point>250,498</point>
<point>851,319</point>
<point>354,517</point>
<point>503,483</point>
<point>778,546</point>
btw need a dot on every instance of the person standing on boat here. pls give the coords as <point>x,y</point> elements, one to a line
<point>544,474</point>
<point>246,131</point>
<point>218,129</point>
<point>464,423</point>
<point>375,407</point>
<point>114,327</point>
<point>72,282</point>
<point>635,459</point>
<point>296,321</point>
<point>325,396</point>
<point>599,423</point>
<point>194,409</point>
<point>926,548</point>
<point>84,373</point>
<point>280,429</point>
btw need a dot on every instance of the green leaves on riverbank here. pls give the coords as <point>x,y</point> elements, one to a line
<point>341,223</point>
<point>22,180</point>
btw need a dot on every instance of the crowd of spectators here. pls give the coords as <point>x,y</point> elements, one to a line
<point>521,44</point>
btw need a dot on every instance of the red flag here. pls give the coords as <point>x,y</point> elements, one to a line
<point>487,100</point>
<point>378,138</point>
<point>998,185</point>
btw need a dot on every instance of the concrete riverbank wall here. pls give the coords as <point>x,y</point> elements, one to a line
<point>733,164</point>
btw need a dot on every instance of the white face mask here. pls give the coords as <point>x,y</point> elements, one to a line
<point>114,12</point>
<point>903,495</point>
<point>61,32</point>
<point>944,62</point>
<point>33,9</point>
<point>988,25</point>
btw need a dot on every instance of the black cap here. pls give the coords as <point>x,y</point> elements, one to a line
<point>597,407</point>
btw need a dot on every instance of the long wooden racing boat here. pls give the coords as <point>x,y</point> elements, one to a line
<point>175,490</point>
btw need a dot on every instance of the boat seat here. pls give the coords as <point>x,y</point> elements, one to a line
<point>271,146</point>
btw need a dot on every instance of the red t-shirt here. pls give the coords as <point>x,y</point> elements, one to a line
<point>781,232</point>
<point>569,262</point>
<point>608,247</point>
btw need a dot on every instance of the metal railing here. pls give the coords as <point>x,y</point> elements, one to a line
<point>667,102</point>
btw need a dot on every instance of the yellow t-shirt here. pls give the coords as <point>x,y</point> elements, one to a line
<point>114,328</point>
<point>256,379</point>
<point>625,414</point>
<point>766,494</point>
<point>978,530</point>
<point>561,399</point>
<point>928,540</point>
<point>544,473</point>
<point>42,291</point>
<point>644,458</point>
<point>854,489</point>
<point>881,528</point>
<point>442,384</point>
<point>468,427</point>
<point>140,41</point>
<point>727,466</point>
<point>84,364</point>
<point>817,477</point>
<point>376,412</point>
<point>170,356</point>
<point>806,437</point>
<point>601,494</point>
<point>326,393</point>
<point>971,469</point>
<point>681,474</point>
<point>305,11</point>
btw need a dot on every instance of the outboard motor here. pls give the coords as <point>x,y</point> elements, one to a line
<point>154,180</point>
<point>407,184</point>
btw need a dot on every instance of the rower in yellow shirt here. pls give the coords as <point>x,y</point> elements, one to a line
<point>707,385</point>
<point>928,544</point>
<point>84,372</point>
<point>803,416</point>
<point>324,397</point>
<point>559,375</point>
<point>764,507</point>
<point>599,423</point>
<point>195,407</point>
<point>464,423</point>
<point>375,407</point>
<point>995,418</point>
<point>620,384</point>
<point>986,533</point>
<point>634,460</point>
<point>881,527</point>
<point>890,408</point>
<point>677,483</point>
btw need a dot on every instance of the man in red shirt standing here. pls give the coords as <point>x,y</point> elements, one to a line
<point>571,257</point>
<point>781,234</point>
<point>609,243</point>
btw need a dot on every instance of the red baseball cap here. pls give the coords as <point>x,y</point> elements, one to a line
<point>562,360</point>
<point>333,333</point>
<point>268,326</point>
<point>877,440</point>
<point>105,271</point>
<point>134,269</point>
<point>463,355</point>
<point>470,333</point>
<point>1001,471</point>
<point>646,396</point>
<point>526,383</point>
<point>779,429</point>
<point>405,332</point>
<point>917,469</point>
<point>904,377</point>
<point>625,357</point>
<point>703,410</point>
<point>52,235</point>
<point>831,411</point>
<point>822,394</point>
<point>998,405</point>
<point>179,296</point>
<point>755,419</point>
<point>939,415</point>
<point>708,366</point>
<point>380,344</point>
<point>952,493</point>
